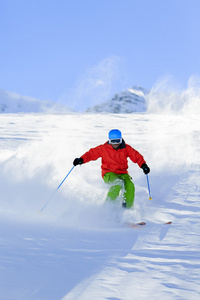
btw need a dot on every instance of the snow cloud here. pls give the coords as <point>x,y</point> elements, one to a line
<point>165,97</point>
<point>98,84</point>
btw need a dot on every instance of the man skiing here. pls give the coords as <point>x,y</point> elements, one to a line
<point>114,165</point>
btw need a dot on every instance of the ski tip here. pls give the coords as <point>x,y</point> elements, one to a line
<point>134,225</point>
<point>170,222</point>
<point>141,223</point>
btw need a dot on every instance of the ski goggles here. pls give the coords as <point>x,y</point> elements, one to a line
<point>115,141</point>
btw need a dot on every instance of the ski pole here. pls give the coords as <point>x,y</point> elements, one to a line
<point>150,198</point>
<point>56,190</point>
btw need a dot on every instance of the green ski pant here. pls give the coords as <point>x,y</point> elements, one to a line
<point>117,181</point>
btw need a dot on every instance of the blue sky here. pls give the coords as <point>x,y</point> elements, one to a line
<point>64,50</point>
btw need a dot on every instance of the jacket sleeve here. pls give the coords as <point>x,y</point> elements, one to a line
<point>92,154</point>
<point>135,156</point>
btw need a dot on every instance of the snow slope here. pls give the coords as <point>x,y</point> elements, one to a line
<point>80,248</point>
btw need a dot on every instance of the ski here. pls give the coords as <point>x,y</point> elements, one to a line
<point>140,224</point>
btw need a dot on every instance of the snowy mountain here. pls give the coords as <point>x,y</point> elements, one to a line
<point>14,103</point>
<point>127,101</point>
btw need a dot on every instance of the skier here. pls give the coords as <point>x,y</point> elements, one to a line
<point>114,154</point>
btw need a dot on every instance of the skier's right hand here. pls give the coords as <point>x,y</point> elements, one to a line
<point>78,161</point>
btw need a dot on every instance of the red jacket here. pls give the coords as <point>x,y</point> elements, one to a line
<point>114,160</point>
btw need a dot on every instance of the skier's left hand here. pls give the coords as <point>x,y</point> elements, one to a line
<point>145,168</point>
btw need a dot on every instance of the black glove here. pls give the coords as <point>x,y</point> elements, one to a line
<point>78,161</point>
<point>145,168</point>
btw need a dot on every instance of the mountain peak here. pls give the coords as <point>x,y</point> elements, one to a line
<point>127,101</point>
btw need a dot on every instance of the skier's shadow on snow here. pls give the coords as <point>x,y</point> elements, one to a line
<point>163,232</point>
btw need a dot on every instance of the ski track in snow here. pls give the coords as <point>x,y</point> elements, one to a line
<point>78,247</point>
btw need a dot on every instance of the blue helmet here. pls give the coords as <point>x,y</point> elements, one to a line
<point>115,136</point>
